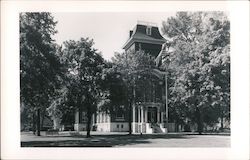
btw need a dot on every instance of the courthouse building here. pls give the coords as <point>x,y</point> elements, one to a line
<point>149,109</point>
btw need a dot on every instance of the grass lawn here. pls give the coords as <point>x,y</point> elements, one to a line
<point>102,139</point>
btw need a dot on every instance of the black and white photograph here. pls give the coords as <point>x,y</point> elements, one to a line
<point>125,80</point>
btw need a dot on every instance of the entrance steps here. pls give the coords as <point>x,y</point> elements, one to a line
<point>156,128</point>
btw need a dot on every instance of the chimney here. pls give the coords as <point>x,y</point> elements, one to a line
<point>130,33</point>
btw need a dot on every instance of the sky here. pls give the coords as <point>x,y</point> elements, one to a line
<point>109,30</point>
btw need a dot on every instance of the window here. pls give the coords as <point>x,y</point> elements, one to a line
<point>122,126</point>
<point>104,117</point>
<point>117,126</point>
<point>98,118</point>
<point>84,117</point>
<point>102,120</point>
<point>107,118</point>
<point>148,31</point>
<point>120,113</point>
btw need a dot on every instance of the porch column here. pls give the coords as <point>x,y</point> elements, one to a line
<point>78,120</point>
<point>158,115</point>
<point>93,119</point>
<point>101,119</point>
<point>104,117</point>
<point>98,118</point>
<point>142,114</point>
<point>146,114</point>
<point>139,119</point>
<point>133,124</point>
<point>162,116</point>
<point>77,117</point>
<point>142,118</point>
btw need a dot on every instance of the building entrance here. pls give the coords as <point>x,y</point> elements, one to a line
<point>152,114</point>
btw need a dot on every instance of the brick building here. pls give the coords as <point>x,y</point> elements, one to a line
<point>149,109</point>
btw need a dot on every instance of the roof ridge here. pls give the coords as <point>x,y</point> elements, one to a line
<point>147,23</point>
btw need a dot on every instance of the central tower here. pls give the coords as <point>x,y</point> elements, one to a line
<point>145,36</point>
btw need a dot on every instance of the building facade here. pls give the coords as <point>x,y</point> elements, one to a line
<point>149,112</point>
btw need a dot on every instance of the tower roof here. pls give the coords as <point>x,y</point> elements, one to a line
<point>139,34</point>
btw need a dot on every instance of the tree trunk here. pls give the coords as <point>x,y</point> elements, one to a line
<point>130,104</point>
<point>43,116</point>
<point>89,115</point>
<point>176,126</point>
<point>34,123</point>
<point>221,123</point>
<point>199,121</point>
<point>130,119</point>
<point>38,123</point>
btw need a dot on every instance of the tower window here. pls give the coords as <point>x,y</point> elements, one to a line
<point>148,31</point>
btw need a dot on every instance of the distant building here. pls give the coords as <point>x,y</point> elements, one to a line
<point>149,111</point>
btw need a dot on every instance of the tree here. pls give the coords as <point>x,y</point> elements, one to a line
<point>200,64</point>
<point>39,66</point>
<point>129,66</point>
<point>58,106</point>
<point>113,95</point>
<point>84,73</point>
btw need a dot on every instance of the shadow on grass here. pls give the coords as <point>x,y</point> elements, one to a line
<point>100,140</point>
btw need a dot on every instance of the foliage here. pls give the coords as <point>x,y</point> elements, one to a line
<point>124,75</point>
<point>114,88</point>
<point>200,66</point>
<point>84,76</point>
<point>39,66</point>
<point>56,108</point>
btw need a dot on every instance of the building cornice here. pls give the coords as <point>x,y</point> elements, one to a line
<point>132,40</point>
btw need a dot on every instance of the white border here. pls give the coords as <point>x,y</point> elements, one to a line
<point>10,115</point>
